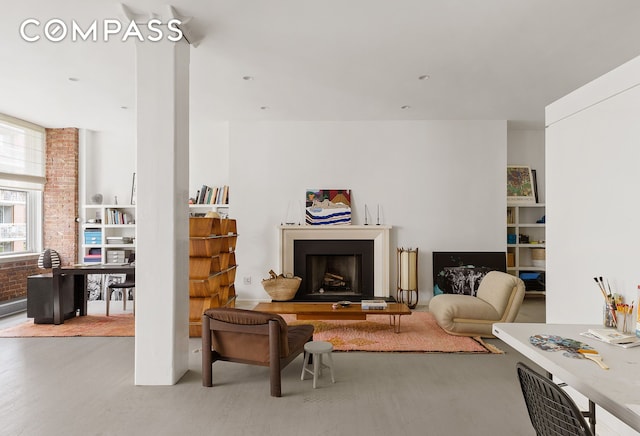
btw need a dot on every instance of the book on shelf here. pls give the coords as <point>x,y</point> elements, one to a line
<point>202,195</point>
<point>612,336</point>
<point>212,195</point>
<point>92,258</point>
<point>373,304</point>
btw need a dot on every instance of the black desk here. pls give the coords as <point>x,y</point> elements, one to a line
<point>79,274</point>
<point>40,298</point>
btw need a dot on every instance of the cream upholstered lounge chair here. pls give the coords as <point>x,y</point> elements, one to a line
<point>498,299</point>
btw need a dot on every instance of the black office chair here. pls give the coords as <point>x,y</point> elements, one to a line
<point>551,410</point>
<point>129,284</point>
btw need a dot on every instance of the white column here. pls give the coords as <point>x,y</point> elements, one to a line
<point>162,299</point>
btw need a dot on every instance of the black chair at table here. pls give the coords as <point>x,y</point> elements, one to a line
<point>551,409</point>
<point>129,284</point>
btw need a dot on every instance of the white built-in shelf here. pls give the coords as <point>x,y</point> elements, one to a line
<point>521,220</point>
<point>92,212</point>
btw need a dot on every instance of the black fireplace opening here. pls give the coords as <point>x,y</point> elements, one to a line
<point>334,270</point>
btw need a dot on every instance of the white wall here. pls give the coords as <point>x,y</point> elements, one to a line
<point>593,204</point>
<point>209,159</point>
<point>440,184</point>
<point>108,159</point>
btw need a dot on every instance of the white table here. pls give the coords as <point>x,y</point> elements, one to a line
<point>616,390</point>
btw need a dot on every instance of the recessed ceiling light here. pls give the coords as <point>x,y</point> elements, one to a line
<point>247,77</point>
<point>406,106</point>
<point>424,77</point>
<point>124,107</point>
<point>264,108</point>
<point>73,79</point>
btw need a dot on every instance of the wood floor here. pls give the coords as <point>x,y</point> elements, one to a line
<point>84,386</point>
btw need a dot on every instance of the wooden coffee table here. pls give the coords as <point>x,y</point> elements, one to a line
<point>309,311</point>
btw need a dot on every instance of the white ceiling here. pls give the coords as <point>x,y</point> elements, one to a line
<point>327,59</point>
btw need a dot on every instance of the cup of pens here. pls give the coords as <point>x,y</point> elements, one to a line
<point>609,311</point>
<point>609,315</point>
<point>623,317</point>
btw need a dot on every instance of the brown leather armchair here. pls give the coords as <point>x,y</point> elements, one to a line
<point>251,337</point>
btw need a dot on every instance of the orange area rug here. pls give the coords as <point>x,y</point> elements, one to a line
<point>90,325</point>
<point>419,332</point>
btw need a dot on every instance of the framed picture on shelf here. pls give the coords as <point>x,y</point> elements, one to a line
<point>535,184</point>
<point>133,189</point>
<point>327,206</point>
<point>520,185</point>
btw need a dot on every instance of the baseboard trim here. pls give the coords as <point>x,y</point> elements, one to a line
<point>13,306</point>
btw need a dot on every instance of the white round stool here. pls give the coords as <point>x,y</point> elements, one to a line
<point>317,349</point>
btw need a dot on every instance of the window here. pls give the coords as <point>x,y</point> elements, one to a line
<point>22,177</point>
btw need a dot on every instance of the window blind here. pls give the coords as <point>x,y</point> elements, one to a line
<point>22,154</point>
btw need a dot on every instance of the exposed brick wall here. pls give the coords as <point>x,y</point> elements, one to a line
<point>61,194</point>
<point>13,278</point>
<point>60,205</point>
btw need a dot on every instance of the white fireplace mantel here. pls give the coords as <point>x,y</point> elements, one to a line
<point>378,234</point>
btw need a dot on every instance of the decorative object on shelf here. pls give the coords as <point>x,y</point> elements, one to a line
<point>281,288</point>
<point>328,206</point>
<point>134,188</point>
<point>520,187</point>
<point>49,259</point>
<point>533,280</point>
<point>407,291</point>
<point>294,215</point>
<point>366,215</point>
<point>538,257</point>
<point>96,198</point>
